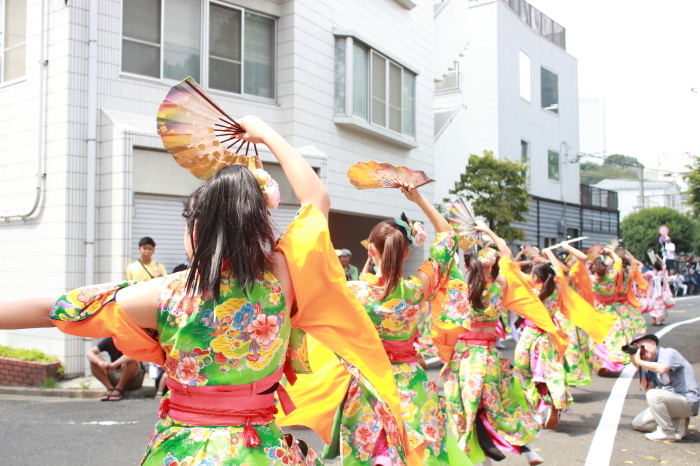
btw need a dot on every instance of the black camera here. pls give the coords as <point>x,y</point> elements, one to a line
<point>632,348</point>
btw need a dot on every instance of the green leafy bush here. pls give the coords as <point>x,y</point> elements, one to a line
<point>26,354</point>
<point>49,382</point>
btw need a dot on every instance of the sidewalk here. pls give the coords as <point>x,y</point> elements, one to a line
<point>82,387</point>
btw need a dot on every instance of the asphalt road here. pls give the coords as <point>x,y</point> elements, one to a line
<point>67,432</point>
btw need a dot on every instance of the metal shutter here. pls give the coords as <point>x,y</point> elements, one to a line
<point>159,217</point>
<point>282,217</point>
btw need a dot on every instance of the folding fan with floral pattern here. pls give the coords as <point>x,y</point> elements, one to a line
<point>371,175</point>
<point>196,130</point>
<point>529,252</point>
<point>464,225</point>
<point>613,244</point>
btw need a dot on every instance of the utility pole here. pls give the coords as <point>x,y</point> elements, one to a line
<point>640,175</point>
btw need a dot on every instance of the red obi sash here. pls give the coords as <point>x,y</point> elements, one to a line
<point>211,405</point>
<point>401,350</point>
<point>605,299</point>
<point>620,297</point>
<point>530,324</point>
<point>476,338</point>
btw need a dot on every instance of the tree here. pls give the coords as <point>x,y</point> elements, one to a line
<point>497,191</point>
<point>614,166</point>
<point>640,231</point>
<point>623,161</point>
<point>693,180</point>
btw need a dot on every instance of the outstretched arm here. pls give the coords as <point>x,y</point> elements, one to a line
<point>553,258</point>
<point>433,215</point>
<point>497,240</point>
<point>306,184</point>
<point>26,313</point>
<point>574,252</point>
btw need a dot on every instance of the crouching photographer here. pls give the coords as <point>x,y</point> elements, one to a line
<point>671,389</point>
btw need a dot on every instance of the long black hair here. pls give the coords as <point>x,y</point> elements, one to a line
<point>476,280</point>
<point>235,238</point>
<point>545,272</point>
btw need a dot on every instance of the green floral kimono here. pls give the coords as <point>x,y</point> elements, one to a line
<point>536,359</point>
<point>609,355</point>
<point>396,318</point>
<point>479,380</point>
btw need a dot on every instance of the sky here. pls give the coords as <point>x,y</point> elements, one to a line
<point>643,57</point>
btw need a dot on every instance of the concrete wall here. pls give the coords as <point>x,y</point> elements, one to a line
<point>519,119</point>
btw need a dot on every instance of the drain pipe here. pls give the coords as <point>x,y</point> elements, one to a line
<point>40,175</point>
<point>91,158</point>
<point>91,146</point>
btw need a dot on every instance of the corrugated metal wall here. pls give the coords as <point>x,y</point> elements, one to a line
<point>598,225</point>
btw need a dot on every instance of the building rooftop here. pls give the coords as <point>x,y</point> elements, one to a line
<point>539,22</point>
<point>630,184</point>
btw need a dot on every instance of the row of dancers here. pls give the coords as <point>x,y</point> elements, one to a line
<point>253,310</point>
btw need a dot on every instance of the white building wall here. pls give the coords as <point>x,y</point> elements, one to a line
<point>519,119</point>
<point>45,255</point>
<point>592,126</point>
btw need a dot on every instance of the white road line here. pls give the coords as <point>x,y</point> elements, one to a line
<point>604,439</point>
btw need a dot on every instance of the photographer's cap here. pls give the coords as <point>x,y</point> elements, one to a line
<point>642,336</point>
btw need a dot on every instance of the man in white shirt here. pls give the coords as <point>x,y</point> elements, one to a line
<point>670,254</point>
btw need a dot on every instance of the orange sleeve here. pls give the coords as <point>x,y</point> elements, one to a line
<point>597,324</point>
<point>330,313</point>
<point>519,298</point>
<point>93,312</point>
<point>579,275</point>
<point>638,279</point>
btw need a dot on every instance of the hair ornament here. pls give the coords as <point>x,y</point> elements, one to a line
<point>487,256</point>
<point>415,231</point>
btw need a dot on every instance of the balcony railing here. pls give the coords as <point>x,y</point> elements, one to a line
<point>539,22</point>
<point>596,197</point>
<point>450,82</point>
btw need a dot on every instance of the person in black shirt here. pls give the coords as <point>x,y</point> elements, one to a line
<point>122,373</point>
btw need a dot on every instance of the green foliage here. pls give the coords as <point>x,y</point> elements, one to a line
<point>26,355</point>
<point>640,231</point>
<point>497,191</point>
<point>619,160</point>
<point>592,173</point>
<point>693,180</point>
<point>614,167</point>
<point>49,382</point>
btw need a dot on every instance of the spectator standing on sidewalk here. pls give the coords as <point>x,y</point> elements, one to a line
<point>121,373</point>
<point>145,268</point>
<point>669,252</point>
<point>671,390</point>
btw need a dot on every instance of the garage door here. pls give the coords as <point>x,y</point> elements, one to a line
<point>160,217</point>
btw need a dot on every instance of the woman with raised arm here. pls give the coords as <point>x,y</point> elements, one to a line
<point>486,406</point>
<point>394,304</point>
<point>631,276</point>
<point>659,293</point>
<point>536,358</point>
<point>606,269</point>
<point>225,326</point>
<point>579,354</point>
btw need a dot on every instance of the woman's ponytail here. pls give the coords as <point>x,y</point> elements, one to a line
<point>476,282</point>
<point>545,273</point>
<point>392,245</point>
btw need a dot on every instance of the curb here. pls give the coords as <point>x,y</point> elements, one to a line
<point>90,394</point>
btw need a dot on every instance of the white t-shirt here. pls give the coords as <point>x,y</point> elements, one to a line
<point>670,249</point>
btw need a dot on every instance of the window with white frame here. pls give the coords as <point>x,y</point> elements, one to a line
<point>550,91</point>
<point>383,91</point>
<point>553,165</point>
<point>13,39</point>
<point>524,76</point>
<point>163,39</point>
